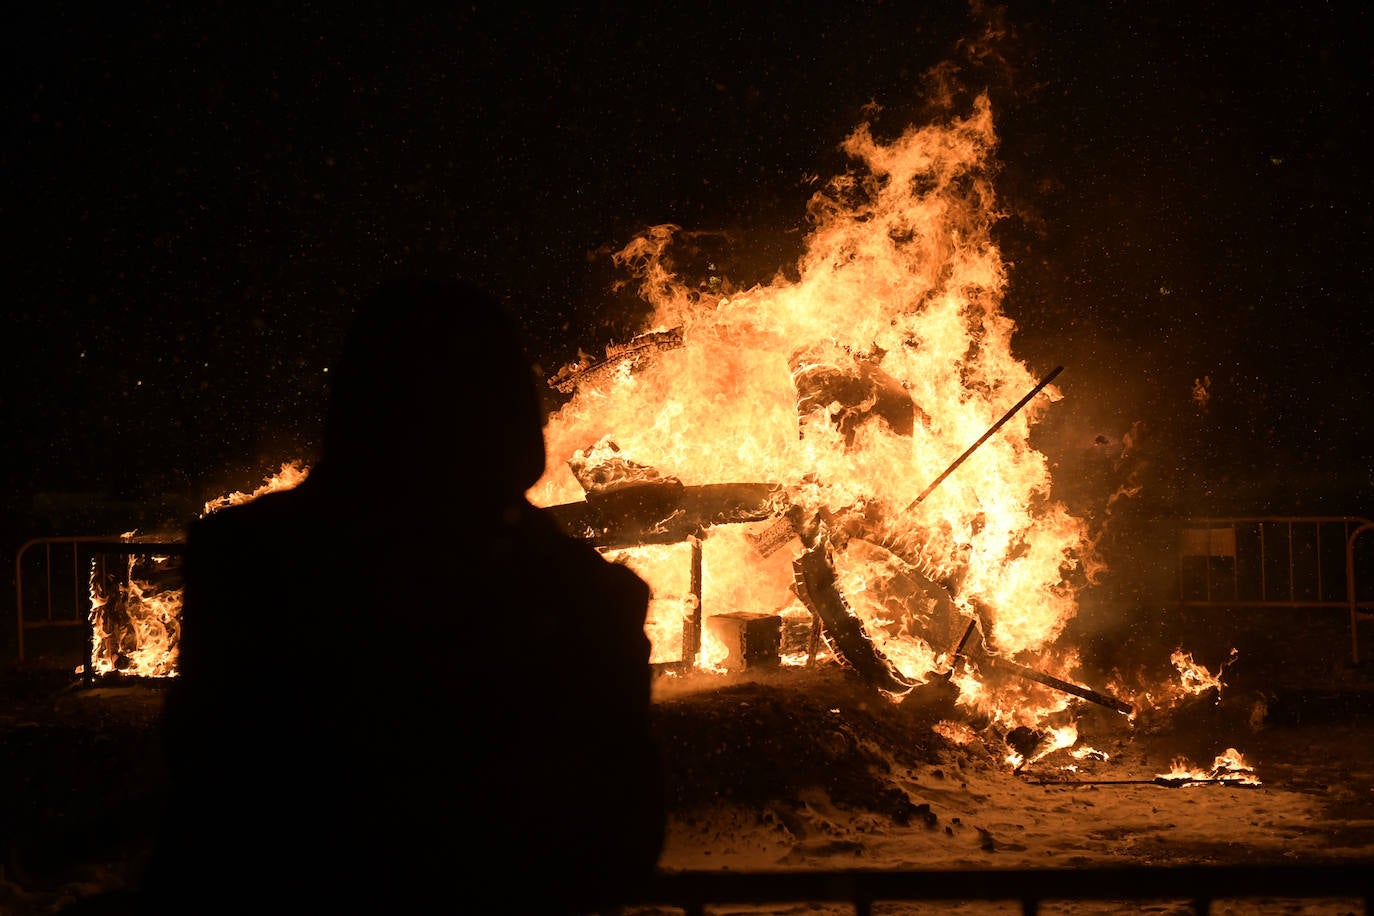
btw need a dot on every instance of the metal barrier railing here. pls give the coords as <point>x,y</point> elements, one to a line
<point>1358,611</point>
<point>1278,562</point>
<point>66,603</point>
<point>1199,886</point>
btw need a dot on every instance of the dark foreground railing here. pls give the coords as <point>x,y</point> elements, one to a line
<point>694,892</point>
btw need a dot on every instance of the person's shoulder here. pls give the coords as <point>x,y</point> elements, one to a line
<point>589,562</point>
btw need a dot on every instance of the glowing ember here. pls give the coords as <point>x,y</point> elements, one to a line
<point>851,388</point>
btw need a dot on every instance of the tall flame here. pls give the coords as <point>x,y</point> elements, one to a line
<point>899,289</point>
<point>287,477</point>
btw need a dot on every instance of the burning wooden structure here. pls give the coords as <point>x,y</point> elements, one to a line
<point>628,505</point>
<point>845,448</point>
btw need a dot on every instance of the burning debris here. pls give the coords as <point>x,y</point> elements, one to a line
<point>135,613</point>
<point>1228,769</point>
<point>1195,678</point>
<point>135,602</point>
<point>629,503</point>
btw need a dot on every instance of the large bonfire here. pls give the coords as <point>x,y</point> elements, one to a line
<point>849,386</point>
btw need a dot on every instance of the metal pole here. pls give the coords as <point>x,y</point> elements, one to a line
<point>693,649</point>
<point>1350,590</point>
<point>983,438</point>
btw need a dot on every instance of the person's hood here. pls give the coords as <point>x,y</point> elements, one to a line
<point>434,393</point>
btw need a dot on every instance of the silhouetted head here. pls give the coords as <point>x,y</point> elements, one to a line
<point>434,393</point>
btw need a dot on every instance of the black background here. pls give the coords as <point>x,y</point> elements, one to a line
<point>199,196</point>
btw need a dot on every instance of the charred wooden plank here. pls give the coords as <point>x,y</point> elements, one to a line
<point>664,511</point>
<point>1049,680</point>
<point>636,352</point>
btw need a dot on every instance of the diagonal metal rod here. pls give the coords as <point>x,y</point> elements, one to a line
<point>983,438</point>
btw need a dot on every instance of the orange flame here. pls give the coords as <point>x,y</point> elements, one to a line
<point>290,475</point>
<point>136,620</point>
<point>1194,678</point>
<point>1229,767</point>
<point>141,639</point>
<point>898,297</point>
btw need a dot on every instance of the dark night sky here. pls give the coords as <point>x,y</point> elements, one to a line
<point>198,198</point>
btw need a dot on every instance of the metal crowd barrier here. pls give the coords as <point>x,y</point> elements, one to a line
<point>1279,562</point>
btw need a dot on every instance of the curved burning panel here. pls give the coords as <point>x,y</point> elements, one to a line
<point>844,631</point>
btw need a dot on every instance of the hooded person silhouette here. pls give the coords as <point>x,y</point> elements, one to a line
<point>400,684</point>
